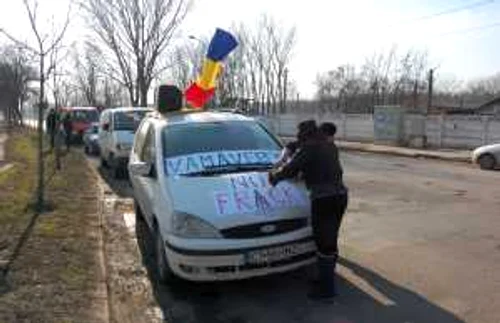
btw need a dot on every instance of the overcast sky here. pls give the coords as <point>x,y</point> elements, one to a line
<point>333,32</point>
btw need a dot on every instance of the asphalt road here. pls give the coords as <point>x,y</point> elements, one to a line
<point>420,243</point>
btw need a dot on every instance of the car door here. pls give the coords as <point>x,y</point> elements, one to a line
<point>104,134</point>
<point>136,180</point>
<point>150,188</point>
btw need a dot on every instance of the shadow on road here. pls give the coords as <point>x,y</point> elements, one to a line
<point>121,187</point>
<point>283,298</point>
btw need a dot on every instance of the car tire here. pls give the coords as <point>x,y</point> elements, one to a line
<point>86,150</point>
<point>116,170</point>
<point>487,162</point>
<point>138,211</point>
<point>165,273</point>
<point>104,162</point>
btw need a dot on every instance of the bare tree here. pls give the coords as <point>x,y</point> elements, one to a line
<point>258,69</point>
<point>134,34</point>
<point>15,73</point>
<point>185,62</point>
<point>87,74</point>
<point>383,79</point>
<point>45,45</point>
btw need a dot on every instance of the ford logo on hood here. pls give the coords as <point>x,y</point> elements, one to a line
<point>268,228</point>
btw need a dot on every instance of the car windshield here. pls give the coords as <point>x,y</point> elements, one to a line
<point>196,147</point>
<point>85,115</point>
<point>192,138</point>
<point>128,120</point>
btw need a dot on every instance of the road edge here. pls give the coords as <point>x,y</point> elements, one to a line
<point>102,252</point>
<point>394,151</point>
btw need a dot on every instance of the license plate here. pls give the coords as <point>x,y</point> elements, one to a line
<point>278,253</point>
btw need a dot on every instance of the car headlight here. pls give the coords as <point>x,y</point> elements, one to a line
<point>189,226</point>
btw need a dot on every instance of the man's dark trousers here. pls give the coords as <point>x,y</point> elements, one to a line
<point>327,214</point>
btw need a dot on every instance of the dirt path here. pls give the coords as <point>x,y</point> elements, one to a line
<point>54,273</point>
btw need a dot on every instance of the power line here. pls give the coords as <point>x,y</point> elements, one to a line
<point>464,31</point>
<point>447,12</point>
<point>456,9</point>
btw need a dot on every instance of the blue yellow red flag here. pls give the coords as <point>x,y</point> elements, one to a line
<point>201,91</point>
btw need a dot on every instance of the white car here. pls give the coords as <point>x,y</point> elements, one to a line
<point>200,183</point>
<point>117,127</point>
<point>488,157</point>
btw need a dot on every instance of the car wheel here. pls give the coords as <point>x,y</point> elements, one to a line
<point>104,163</point>
<point>138,212</point>
<point>117,172</point>
<point>165,274</point>
<point>86,150</point>
<point>487,161</point>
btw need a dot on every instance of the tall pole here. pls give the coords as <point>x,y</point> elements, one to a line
<point>431,84</point>
<point>41,105</point>
<point>283,105</point>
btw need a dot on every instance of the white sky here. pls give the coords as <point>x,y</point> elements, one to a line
<point>333,32</point>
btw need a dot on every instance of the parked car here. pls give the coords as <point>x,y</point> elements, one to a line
<point>91,140</point>
<point>200,183</point>
<point>82,118</point>
<point>117,127</point>
<point>488,157</point>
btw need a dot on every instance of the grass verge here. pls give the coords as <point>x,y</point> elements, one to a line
<point>56,276</point>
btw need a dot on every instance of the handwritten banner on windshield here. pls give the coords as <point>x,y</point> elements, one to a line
<point>193,163</point>
<point>251,193</point>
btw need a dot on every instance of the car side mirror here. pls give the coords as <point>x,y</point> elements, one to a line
<point>105,127</point>
<point>141,168</point>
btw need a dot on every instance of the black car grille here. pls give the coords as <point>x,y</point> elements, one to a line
<point>256,230</point>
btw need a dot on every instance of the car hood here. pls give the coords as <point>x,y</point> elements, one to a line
<point>493,148</point>
<point>238,199</point>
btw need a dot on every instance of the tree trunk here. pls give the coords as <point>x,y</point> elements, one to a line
<point>40,190</point>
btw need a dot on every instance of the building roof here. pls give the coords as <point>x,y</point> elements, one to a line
<point>489,103</point>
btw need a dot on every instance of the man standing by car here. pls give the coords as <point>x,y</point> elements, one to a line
<point>68,128</point>
<point>318,161</point>
<point>51,125</point>
<point>328,129</point>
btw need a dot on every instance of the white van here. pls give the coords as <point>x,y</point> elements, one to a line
<point>200,183</point>
<point>117,128</point>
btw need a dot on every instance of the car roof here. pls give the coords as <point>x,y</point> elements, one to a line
<point>79,108</point>
<point>127,109</point>
<point>186,117</point>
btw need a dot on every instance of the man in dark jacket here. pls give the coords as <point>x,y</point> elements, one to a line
<point>68,129</point>
<point>317,160</point>
<point>51,125</point>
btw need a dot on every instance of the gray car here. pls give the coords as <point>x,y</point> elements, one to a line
<point>91,140</point>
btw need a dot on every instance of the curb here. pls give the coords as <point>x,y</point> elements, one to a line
<point>102,253</point>
<point>395,151</point>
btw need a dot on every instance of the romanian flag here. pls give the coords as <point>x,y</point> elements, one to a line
<point>201,91</point>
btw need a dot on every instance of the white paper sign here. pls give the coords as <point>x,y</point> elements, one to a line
<point>251,193</point>
<point>194,163</point>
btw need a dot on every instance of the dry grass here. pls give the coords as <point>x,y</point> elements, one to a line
<point>57,276</point>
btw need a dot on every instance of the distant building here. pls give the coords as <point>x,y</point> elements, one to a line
<point>491,107</point>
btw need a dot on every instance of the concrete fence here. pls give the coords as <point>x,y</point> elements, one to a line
<point>441,131</point>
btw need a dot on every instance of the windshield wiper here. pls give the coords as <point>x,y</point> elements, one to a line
<point>219,169</point>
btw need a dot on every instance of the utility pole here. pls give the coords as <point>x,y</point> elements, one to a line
<point>41,108</point>
<point>283,105</point>
<point>431,85</point>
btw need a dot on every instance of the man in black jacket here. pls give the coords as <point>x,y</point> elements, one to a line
<point>318,161</point>
<point>51,126</point>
